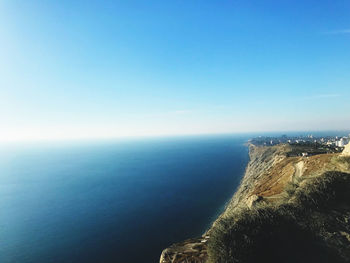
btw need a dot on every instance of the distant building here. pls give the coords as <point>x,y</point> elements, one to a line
<point>342,142</point>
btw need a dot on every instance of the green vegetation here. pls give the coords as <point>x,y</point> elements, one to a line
<point>306,226</point>
<point>297,149</point>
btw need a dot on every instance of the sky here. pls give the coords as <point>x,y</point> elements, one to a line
<point>101,69</point>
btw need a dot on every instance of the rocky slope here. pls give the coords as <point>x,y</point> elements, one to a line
<point>267,180</point>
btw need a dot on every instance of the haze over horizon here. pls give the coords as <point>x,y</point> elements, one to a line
<point>97,69</point>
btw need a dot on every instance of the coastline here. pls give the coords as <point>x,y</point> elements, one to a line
<point>195,249</point>
<point>266,184</point>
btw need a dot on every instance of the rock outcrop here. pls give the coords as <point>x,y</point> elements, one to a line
<point>191,250</point>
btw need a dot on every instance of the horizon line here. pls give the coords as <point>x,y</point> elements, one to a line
<point>152,136</point>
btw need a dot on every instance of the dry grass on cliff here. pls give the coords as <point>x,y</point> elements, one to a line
<point>296,230</point>
<point>331,188</point>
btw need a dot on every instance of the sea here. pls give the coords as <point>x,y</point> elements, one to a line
<point>113,200</point>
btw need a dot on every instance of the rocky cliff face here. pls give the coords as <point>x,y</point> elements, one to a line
<point>267,175</point>
<point>195,250</point>
<point>263,161</point>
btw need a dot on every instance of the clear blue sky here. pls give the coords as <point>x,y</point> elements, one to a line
<point>80,69</point>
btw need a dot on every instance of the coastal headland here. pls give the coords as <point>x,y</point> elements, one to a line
<point>292,205</point>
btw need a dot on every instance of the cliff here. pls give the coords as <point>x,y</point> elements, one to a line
<point>282,206</point>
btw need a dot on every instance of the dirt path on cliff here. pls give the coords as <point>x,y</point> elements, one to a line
<point>299,166</point>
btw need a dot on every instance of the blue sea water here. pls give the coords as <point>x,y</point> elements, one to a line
<point>112,201</point>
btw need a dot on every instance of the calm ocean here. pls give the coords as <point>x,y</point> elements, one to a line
<point>113,201</point>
